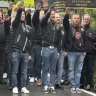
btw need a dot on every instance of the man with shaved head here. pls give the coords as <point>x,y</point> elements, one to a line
<point>75,48</point>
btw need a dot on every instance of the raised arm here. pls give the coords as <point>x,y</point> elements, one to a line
<point>35,19</point>
<point>18,16</point>
<point>66,22</point>
<point>17,19</point>
<point>7,25</point>
<point>45,19</point>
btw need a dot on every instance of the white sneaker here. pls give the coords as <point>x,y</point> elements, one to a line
<point>32,79</point>
<point>78,90</point>
<point>52,89</point>
<point>46,89</point>
<point>4,75</point>
<point>24,90</point>
<point>62,81</point>
<point>15,90</point>
<point>73,90</point>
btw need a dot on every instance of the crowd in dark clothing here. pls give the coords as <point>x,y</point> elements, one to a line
<point>38,46</point>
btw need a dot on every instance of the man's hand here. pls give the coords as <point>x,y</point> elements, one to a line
<point>21,5</point>
<point>10,6</point>
<point>65,54</point>
<point>84,53</point>
<point>38,6</point>
<point>67,10</point>
<point>30,57</point>
<point>45,4</point>
<point>52,7</point>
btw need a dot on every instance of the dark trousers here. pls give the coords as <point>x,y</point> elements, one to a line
<point>65,69</point>
<point>36,64</point>
<point>9,63</point>
<point>2,62</point>
<point>6,64</point>
<point>87,72</point>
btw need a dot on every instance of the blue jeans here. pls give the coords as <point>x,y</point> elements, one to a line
<point>36,65</point>
<point>75,61</point>
<point>49,60</point>
<point>59,67</point>
<point>17,59</point>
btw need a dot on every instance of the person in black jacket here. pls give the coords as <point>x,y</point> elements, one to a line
<point>75,48</point>
<point>37,46</point>
<point>62,54</point>
<point>90,39</point>
<point>8,49</point>
<point>4,31</point>
<point>21,50</point>
<point>50,40</point>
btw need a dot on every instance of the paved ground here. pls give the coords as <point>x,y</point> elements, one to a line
<point>37,91</point>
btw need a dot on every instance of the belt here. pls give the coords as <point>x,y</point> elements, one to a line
<point>51,47</point>
<point>16,50</point>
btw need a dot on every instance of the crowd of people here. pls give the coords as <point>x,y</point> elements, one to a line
<point>46,48</point>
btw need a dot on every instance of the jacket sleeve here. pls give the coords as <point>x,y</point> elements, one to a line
<point>93,35</point>
<point>7,27</point>
<point>66,23</point>
<point>28,19</point>
<point>45,19</point>
<point>17,19</point>
<point>59,39</point>
<point>45,11</point>
<point>35,19</point>
<point>9,14</point>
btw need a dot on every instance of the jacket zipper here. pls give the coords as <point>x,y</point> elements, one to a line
<point>25,43</point>
<point>18,38</point>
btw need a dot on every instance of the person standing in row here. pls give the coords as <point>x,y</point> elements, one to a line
<point>90,39</point>
<point>37,46</point>
<point>62,53</point>
<point>21,50</point>
<point>50,40</point>
<point>4,31</point>
<point>76,49</point>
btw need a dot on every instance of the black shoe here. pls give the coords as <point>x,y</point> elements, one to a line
<point>81,86</point>
<point>57,86</point>
<point>10,87</point>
